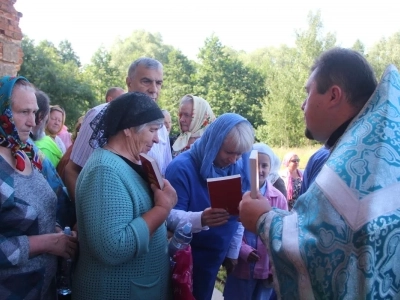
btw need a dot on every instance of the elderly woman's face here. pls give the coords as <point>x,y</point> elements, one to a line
<point>55,122</point>
<point>24,107</point>
<point>143,140</point>
<point>185,115</point>
<point>227,154</point>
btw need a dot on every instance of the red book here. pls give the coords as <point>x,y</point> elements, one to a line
<point>225,192</point>
<point>150,167</point>
<point>254,174</point>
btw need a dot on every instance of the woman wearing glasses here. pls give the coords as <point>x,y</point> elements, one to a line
<point>292,177</point>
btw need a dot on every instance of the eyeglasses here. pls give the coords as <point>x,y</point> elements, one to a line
<point>295,160</point>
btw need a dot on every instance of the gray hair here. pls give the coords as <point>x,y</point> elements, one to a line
<point>22,84</point>
<point>158,122</point>
<point>147,62</point>
<point>43,102</point>
<point>242,135</point>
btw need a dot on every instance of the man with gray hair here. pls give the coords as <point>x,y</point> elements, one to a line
<point>145,75</point>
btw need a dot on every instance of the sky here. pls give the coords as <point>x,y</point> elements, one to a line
<point>185,24</point>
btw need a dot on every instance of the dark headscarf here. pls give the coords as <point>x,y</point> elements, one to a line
<point>126,111</point>
<point>205,150</point>
<point>8,132</point>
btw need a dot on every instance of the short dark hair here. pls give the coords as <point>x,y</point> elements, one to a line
<point>147,62</point>
<point>347,69</point>
<point>43,102</point>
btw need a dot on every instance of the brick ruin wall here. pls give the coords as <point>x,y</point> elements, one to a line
<point>10,39</point>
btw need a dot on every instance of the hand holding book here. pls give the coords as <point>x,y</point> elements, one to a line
<point>214,217</point>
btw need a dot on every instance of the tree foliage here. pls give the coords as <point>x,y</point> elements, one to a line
<point>102,74</point>
<point>228,84</point>
<point>46,67</point>
<point>265,86</point>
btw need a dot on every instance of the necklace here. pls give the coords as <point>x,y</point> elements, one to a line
<point>118,153</point>
<point>113,150</point>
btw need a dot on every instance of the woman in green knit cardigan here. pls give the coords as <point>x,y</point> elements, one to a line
<point>121,220</point>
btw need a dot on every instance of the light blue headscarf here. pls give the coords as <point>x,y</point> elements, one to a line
<point>205,150</point>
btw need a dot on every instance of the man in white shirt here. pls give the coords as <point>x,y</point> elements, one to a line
<point>145,75</point>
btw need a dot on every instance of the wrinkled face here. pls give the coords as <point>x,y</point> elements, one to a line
<point>142,141</point>
<point>227,154</point>
<point>55,122</point>
<point>24,107</point>
<point>264,167</point>
<point>167,122</point>
<point>293,163</point>
<point>185,115</point>
<point>314,111</point>
<point>147,81</point>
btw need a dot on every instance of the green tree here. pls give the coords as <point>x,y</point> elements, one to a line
<point>359,46</point>
<point>140,43</point>
<point>287,70</point>
<point>227,84</point>
<point>102,74</point>
<point>384,53</point>
<point>67,53</point>
<point>61,80</point>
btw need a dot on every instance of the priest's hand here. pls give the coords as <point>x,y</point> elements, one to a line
<point>250,210</point>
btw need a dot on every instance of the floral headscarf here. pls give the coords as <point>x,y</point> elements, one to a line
<point>202,116</point>
<point>8,132</point>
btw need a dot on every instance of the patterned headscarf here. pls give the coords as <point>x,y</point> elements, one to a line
<point>8,132</point>
<point>205,150</point>
<point>202,116</point>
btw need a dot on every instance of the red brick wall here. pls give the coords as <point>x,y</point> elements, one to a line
<point>10,39</point>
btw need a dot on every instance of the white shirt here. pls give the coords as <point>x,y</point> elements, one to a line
<point>81,149</point>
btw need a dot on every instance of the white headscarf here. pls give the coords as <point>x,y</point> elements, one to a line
<point>202,116</point>
<point>275,161</point>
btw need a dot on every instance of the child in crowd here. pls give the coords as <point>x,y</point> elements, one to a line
<point>252,277</point>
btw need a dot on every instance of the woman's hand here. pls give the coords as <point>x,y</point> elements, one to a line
<point>58,244</point>
<point>214,217</point>
<point>165,198</point>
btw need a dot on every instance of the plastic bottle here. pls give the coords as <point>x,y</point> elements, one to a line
<point>64,274</point>
<point>181,239</point>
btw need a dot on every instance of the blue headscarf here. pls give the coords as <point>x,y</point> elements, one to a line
<point>8,132</point>
<point>205,150</point>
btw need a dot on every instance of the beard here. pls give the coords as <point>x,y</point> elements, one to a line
<point>308,134</point>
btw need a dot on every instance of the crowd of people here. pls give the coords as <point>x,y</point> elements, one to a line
<point>327,232</point>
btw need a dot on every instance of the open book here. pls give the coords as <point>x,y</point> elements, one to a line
<point>225,192</point>
<point>152,170</point>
